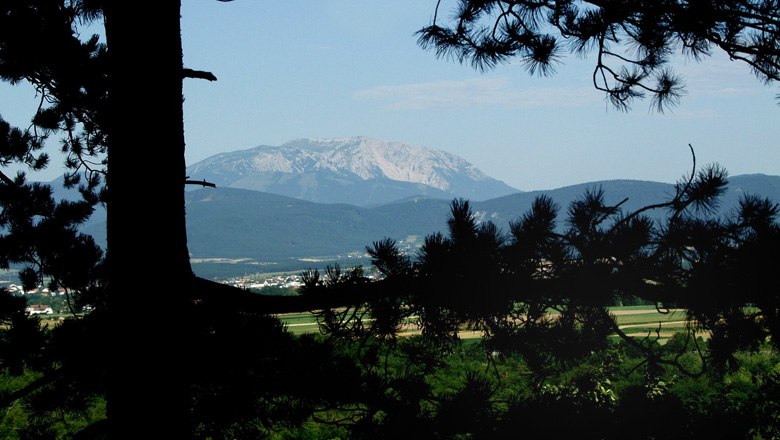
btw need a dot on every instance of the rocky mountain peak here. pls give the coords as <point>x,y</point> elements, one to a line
<point>387,170</point>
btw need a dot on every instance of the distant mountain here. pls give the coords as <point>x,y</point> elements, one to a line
<point>638,193</point>
<point>358,170</point>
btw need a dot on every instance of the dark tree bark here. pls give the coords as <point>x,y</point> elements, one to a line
<point>146,223</point>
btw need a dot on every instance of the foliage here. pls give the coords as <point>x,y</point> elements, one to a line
<point>633,40</point>
<point>505,287</point>
<point>40,45</point>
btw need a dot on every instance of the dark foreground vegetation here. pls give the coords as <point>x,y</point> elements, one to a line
<point>411,391</point>
<point>549,360</point>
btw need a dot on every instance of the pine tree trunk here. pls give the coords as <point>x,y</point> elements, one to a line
<point>147,256</point>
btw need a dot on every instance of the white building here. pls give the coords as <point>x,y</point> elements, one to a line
<point>39,309</point>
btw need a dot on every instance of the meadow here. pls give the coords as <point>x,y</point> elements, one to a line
<point>636,321</point>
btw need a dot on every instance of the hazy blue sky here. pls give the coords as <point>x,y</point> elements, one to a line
<point>343,68</point>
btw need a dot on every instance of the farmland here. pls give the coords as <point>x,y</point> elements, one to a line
<point>636,321</point>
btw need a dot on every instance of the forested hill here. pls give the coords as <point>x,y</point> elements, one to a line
<point>237,223</point>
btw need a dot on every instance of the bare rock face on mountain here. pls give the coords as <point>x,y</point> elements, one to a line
<point>358,170</point>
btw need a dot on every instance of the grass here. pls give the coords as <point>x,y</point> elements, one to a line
<point>297,318</point>
<point>635,324</point>
<point>653,317</point>
<point>304,329</point>
<point>620,308</point>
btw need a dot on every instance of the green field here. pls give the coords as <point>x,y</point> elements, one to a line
<point>638,321</point>
<point>653,317</point>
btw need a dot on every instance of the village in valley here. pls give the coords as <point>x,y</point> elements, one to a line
<point>255,282</point>
<point>41,300</point>
<point>278,284</point>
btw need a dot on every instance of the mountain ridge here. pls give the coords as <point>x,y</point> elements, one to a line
<point>231,223</point>
<point>357,170</point>
<point>287,228</point>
